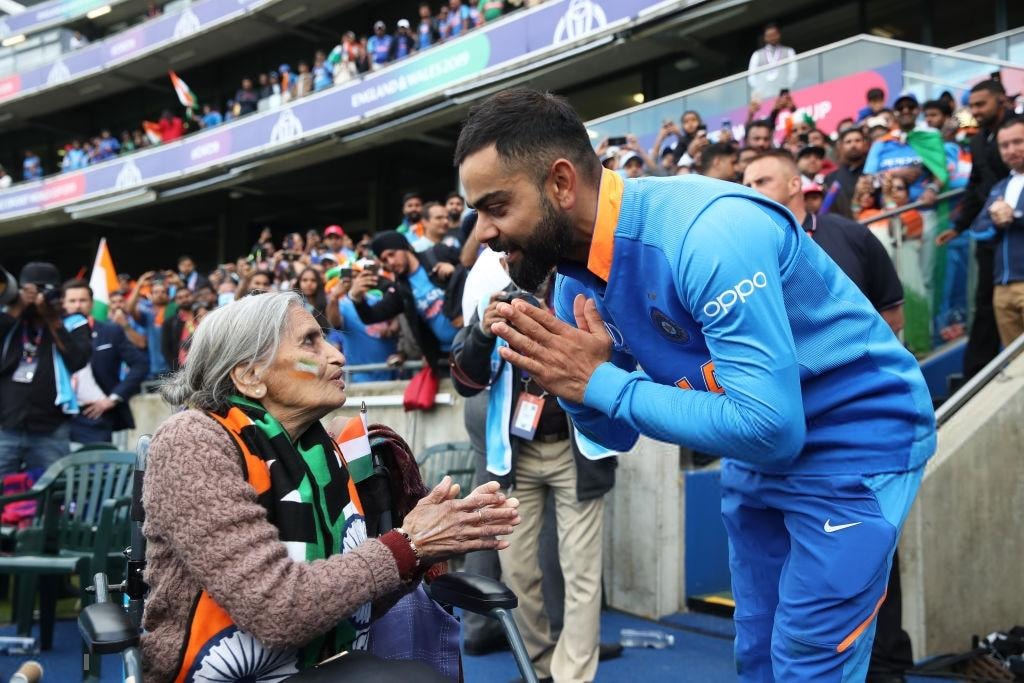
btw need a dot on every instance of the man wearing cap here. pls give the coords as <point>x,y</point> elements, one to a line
<point>39,350</point>
<point>422,291</point>
<point>809,160</point>
<point>897,153</point>
<point>379,45</point>
<point>918,157</point>
<point>632,165</point>
<point>334,243</point>
<point>404,42</point>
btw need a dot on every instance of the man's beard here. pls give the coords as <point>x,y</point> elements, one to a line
<point>454,216</point>
<point>549,242</point>
<point>413,217</point>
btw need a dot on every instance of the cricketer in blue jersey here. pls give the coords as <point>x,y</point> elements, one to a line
<point>699,313</point>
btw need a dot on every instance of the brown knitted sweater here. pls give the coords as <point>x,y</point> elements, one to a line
<point>205,530</point>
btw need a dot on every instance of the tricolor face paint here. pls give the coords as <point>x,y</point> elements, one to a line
<point>307,369</point>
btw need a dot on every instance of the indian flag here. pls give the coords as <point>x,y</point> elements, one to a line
<point>185,95</point>
<point>103,281</point>
<point>355,447</point>
<point>152,132</point>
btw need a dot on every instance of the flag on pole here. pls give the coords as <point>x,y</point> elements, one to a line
<point>355,447</point>
<point>187,98</point>
<point>103,281</point>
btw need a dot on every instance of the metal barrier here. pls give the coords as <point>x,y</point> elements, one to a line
<point>376,367</point>
<point>978,382</point>
<point>913,205</point>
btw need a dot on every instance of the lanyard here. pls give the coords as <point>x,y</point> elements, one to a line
<point>526,379</point>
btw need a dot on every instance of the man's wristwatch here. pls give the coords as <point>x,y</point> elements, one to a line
<point>116,399</point>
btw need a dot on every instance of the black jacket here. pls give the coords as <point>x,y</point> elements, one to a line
<point>987,169</point>
<point>471,373</point>
<point>31,406</point>
<point>110,348</point>
<point>398,299</point>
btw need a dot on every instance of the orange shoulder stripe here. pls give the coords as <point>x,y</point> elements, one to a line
<point>609,203</point>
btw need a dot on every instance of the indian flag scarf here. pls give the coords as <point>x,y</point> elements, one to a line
<point>309,496</point>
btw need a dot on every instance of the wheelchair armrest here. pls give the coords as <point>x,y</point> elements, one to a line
<point>106,628</point>
<point>472,592</point>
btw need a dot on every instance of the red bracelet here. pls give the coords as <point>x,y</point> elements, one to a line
<point>405,553</point>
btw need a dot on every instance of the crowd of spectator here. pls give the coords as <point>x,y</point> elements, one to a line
<point>888,154</point>
<point>414,291</point>
<point>159,309</point>
<point>353,55</point>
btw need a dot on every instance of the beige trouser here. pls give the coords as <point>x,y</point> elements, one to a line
<point>573,658</point>
<point>1008,301</point>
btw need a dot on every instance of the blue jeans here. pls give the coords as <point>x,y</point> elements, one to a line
<point>38,450</point>
<point>86,430</point>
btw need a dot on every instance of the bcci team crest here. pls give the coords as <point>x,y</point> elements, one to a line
<point>582,17</point>
<point>667,328</point>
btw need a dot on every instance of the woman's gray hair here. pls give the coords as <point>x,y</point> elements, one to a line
<point>244,332</point>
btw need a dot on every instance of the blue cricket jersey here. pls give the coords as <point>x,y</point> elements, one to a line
<point>735,334</point>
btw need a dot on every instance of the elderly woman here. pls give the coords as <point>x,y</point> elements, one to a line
<point>258,561</point>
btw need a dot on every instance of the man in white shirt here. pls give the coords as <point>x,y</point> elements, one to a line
<point>769,82</point>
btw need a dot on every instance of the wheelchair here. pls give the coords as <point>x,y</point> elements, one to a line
<point>112,626</point>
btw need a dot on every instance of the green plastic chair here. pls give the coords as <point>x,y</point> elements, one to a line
<point>81,528</point>
<point>455,459</point>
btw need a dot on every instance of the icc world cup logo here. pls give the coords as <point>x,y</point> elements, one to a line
<point>582,17</point>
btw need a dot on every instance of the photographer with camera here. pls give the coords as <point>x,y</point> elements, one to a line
<point>427,291</point>
<point>532,449</point>
<point>363,344</point>
<point>39,350</point>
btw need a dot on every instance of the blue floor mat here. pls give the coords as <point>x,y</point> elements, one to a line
<point>62,664</point>
<point>697,656</point>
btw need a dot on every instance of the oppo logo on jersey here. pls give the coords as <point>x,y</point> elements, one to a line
<point>737,294</point>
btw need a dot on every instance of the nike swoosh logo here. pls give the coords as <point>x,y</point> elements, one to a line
<point>829,529</point>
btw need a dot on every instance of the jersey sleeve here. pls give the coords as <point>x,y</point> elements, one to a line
<point>874,158</point>
<point>596,425</point>
<point>729,278</point>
